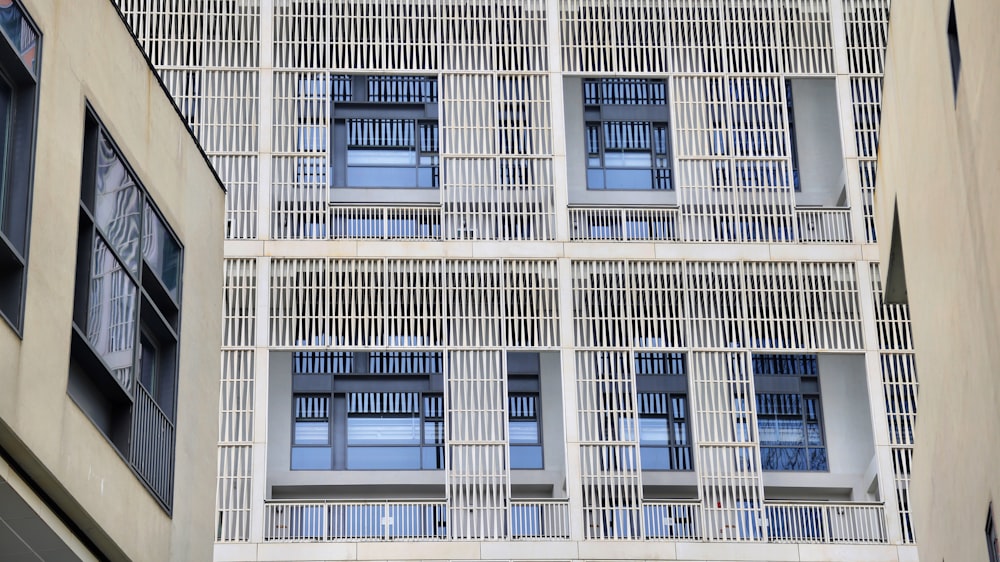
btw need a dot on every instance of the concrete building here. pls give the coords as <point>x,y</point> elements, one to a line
<point>549,280</point>
<point>941,67</point>
<point>110,267</point>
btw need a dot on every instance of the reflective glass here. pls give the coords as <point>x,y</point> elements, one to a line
<point>117,205</point>
<point>111,314</point>
<point>22,37</point>
<point>383,430</point>
<point>655,458</point>
<point>627,159</point>
<point>383,458</point>
<point>6,107</point>
<point>628,179</point>
<point>312,432</point>
<point>526,457</point>
<point>653,431</point>
<point>524,431</point>
<point>161,251</point>
<point>381,157</point>
<point>311,458</point>
<point>375,176</point>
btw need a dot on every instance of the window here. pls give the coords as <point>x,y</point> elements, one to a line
<point>627,134</point>
<point>661,385</point>
<point>379,410</point>
<point>663,434</point>
<point>953,51</point>
<point>18,79</point>
<point>384,132</point>
<point>525,432</point>
<point>524,429</point>
<point>123,369</point>
<point>794,149</point>
<point>789,417</point>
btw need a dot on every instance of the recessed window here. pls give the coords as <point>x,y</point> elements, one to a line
<point>123,369</point>
<point>789,417</point>
<point>953,51</point>
<point>525,432</point>
<point>663,432</point>
<point>627,134</point>
<point>19,49</point>
<point>384,133</point>
<point>382,411</point>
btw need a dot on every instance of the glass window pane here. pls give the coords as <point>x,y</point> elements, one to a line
<point>383,458</point>
<point>5,110</point>
<point>111,313</point>
<point>524,431</point>
<point>117,205</point>
<point>653,431</point>
<point>312,432</point>
<point>629,179</point>
<point>383,157</point>
<point>161,251</point>
<point>311,458</point>
<point>22,37</point>
<point>522,457</point>
<point>380,176</point>
<point>383,430</point>
<point>655,458</point>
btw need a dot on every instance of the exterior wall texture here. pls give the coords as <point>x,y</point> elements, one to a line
<point>42,430</point>
<point>948,237</point>
<point>513,253</point>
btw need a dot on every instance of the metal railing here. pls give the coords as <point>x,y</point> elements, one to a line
<point>294,521</point>
<point>823,522</point>
<point>624,223</point>
<point>385,223</point>
<point>781,522</point>
<point>539,519</point>
<point>151,450</point>
<point>672,520</point>
<point>826,226</point>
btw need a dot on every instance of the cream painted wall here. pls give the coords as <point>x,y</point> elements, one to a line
<point>938,162</point>
<point>42,428</point>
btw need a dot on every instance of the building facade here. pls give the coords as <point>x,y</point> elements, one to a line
<point>549,279</point>
<point>110,262</point>
<point>940,62</point>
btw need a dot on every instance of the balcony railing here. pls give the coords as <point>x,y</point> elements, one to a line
<point>672,520</point>
<point>385,223</point>
<point>825,522</point>
<point>824,226</point>
<point>539,519</point>
<point>151,451</point>
<point>624,223</point>
<point>355,521</point>
<point>777,522</point>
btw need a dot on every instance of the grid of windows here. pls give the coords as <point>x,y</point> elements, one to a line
<point>384,133</point>
<point>126,317</point>
<point>789,419</point>
<point>383,412</point>
<point>627,135</point>
<point>18,78</point>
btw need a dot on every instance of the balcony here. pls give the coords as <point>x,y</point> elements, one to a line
<point>824,226</point>
<point>646,224</point>
<point>424,520</point>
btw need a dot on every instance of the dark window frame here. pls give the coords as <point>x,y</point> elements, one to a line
<point>378,101</point>
<point>664,373</point>
<point>637,108</point>
<point>144,308</point>
<point>339,374</point>
<point>786,382</point>
<point>19,69</point>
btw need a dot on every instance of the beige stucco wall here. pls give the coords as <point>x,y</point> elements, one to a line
<point>88,56</point>
<point>938,162</point>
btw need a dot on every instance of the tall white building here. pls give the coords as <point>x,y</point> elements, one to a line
<point>549,279</point>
